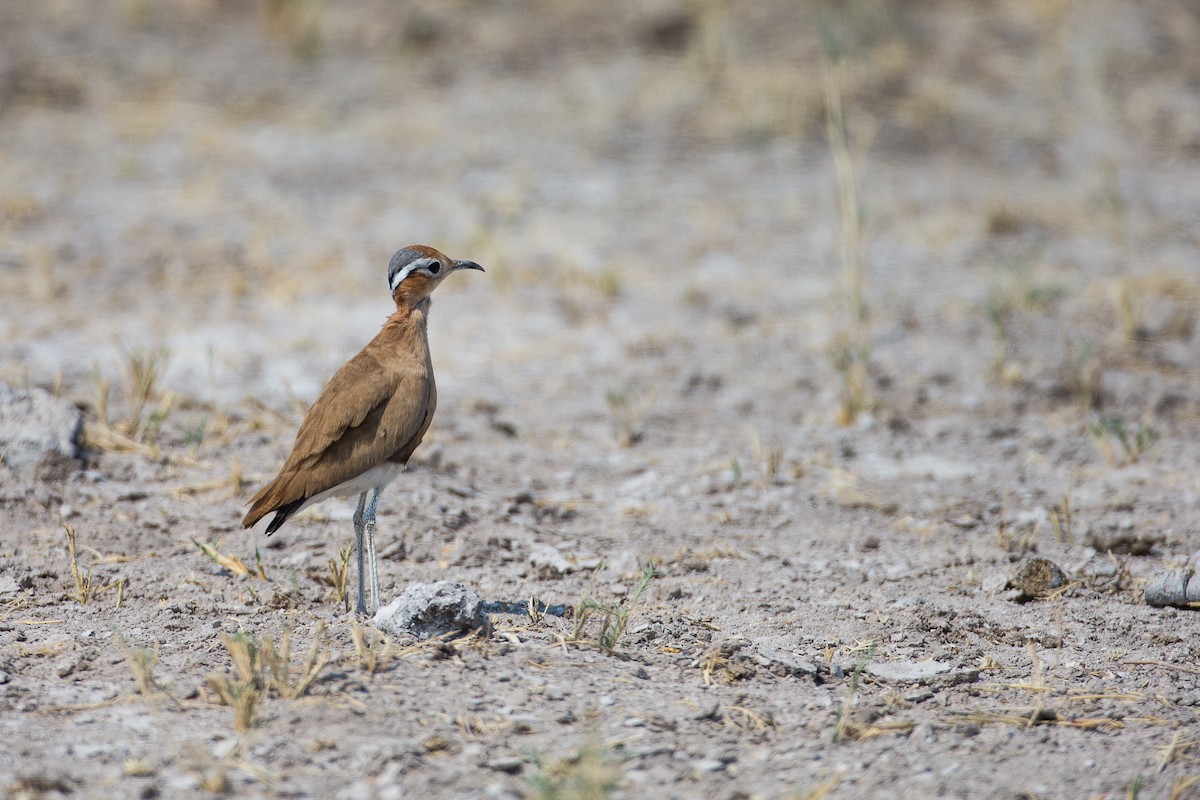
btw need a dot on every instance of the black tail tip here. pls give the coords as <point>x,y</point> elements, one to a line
<point>282,515</point>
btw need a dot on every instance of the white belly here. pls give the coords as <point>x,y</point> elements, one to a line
<point>374,478</point>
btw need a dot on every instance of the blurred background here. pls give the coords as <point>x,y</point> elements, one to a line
<point>831,197</point>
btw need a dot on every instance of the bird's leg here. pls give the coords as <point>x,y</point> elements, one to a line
<point>361,607</point>
<point>373,563</point>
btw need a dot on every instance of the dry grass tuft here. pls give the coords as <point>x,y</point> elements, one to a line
<point>143,660</point>
<point>613,618</point>
<point>262,669</point>
<point>213,774</point>
<point>339,573</point>
<point>628,408</point>
<point>141,373</point>
<point>1030,716</point>
<point>1183,787</point>
<point>1183,745</point>
<point>234,483</point>
<point>86,588</point>
<point>590,773</point>
<point>336,575</point>
<point>101,438</point>
<point>719,663</point>
<point>1119,442</point>
<point>746,719</point>
<point>373,654</point>
<point>1154,307</point>
<point>768,457</point>
<point>850,731</point>
<point>233,564</point>
<point>844,729</point>
<point>147,405</point>
<point>1061,521</point>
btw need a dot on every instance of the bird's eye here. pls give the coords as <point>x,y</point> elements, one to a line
<point>435,268</point>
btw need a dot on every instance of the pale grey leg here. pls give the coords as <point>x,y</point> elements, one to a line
<point>372,561</point>
<point>361,607</point>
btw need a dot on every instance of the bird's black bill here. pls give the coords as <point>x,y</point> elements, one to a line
<point>467,265</point>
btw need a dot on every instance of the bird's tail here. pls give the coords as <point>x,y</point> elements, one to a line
<point>267,501</point>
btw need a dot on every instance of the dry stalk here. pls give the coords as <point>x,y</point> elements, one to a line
<point>1181,742</point>
<point>233,564</point>
<point>373,654</point>
<point>1182,787</point>
<point>747,719</point>
<point>844,729</point>
<point>86,588</point>
<point>628,409</point>
<point>339,573</point>
<point>852,353</point>
<point>143,660</point>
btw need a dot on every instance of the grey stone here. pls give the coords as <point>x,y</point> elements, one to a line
<point>523,723</point>
<point>907,671</point>
<point>547,561</point>
<point>652,749</point>
<point>1174,587</point>
<point>789,663</point>
<point>433,609</point>
<point>995,582</point>
<point>509,764</point>
<point>37,430</point>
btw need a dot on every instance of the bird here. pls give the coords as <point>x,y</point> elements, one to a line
<point>369,418</point>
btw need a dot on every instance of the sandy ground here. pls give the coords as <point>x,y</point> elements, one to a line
<point>789,526</point>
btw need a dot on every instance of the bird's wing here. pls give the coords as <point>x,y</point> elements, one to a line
<point>358,394</point>
<point>388,409</point>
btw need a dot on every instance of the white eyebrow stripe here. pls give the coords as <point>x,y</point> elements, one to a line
<point>404,273</point>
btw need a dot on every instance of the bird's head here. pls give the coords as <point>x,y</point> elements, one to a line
<point>416,271</point>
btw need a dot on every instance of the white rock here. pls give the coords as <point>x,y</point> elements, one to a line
<point>432,609</point>
<point>36,427</point>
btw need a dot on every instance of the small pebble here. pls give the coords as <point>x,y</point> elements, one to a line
<point>524,723</point>
<point>509,764</point>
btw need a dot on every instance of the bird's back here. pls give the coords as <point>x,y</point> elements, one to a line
<point>374,410</point>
